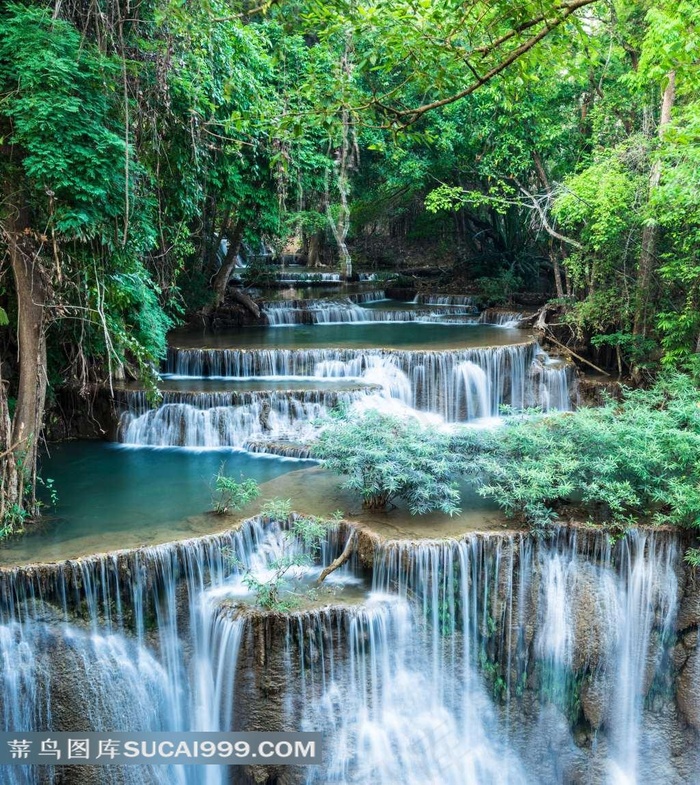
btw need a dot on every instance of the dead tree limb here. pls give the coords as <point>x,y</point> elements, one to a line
<point>340,561</point>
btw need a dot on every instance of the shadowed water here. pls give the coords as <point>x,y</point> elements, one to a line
<point>374,335</point>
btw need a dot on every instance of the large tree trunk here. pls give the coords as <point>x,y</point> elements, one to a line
<point>558,283</point>
<point>234,235</point>
<point>340,226</point>
<point>246,301</point>
<point>9,482</point>
<point>20,457</point>
<point>647,255</point>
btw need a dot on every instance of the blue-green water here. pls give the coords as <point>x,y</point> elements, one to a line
<point>390,335</point>
<point>112,497</point>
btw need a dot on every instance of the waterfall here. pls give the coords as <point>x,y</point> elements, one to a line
<point>444,309</point>
<point>489,659</point>
<point>449,300</point>
<point>155,650</point>
<point>314,312</point>
<point>307,277</point>
<point>387,720</point>
<point>439,381</point>
<point>231,419</point>
<point>103,678</point>
<point>472,385</point>
<point>501,318</point>
<point>375,296</point>
<point>645,603</point>
<point>428,681</point>
<point>347,310</point>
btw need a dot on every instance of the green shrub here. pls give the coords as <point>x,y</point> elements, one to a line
<point>387,458</point>
<point>278,591</point>
<point>277,509</point>
<point>229,494</point>
<point>621,463</point>
<point>498,290</point>
<point>259,273</point>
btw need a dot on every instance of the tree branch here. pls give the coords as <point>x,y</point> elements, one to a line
<point>543,217</point>
<point>340,561</point>
<point>567,10</point>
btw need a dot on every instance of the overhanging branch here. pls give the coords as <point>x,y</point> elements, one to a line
<point>407,117</point>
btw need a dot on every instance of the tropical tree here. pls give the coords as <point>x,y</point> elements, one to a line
<point>74,223</point>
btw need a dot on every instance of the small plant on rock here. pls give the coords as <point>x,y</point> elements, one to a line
<point>278,591</point>
<point>230,494</point>
<point>277,509</point>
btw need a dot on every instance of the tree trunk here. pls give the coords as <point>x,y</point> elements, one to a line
<point>246,301</point>
<point>9,482</point>
<point>553,252</point>
<point>554,256</point>
<point>647,255</point>
<point>234,236</point>
<point>21,452</point>
<point>341,226</point>
<point>314,252</point>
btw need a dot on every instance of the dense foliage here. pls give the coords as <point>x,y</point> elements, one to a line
<point>637,460</point>
<point>631,461</point>
<point>385,457</point>
<point>544,145</point>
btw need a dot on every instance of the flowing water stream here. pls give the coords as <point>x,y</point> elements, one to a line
<point>484,657</point>
<point>488,659</point>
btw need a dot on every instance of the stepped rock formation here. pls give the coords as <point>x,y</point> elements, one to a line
<point>495,655</point>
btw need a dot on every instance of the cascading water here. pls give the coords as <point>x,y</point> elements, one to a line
<point>216,420</point>
<point>156,651</point>
<point>449,300</point>
<point>434,382</point>
<point>491,659</point>
<point>376,295</point>
<point>307,277</point>
<point>347,310</point>
<point>457,385</point>
<point>480,661</point>
<point>501,318</point>
<point>388,713</point>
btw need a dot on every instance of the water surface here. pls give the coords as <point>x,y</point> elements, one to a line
<point>113,497</point>
<point>360,335</point>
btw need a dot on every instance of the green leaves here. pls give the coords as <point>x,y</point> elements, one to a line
<point>385,458</point>
<point>637,461</point>
<point>65,125</point>
<point>230,494</point>
<point>619,464</point>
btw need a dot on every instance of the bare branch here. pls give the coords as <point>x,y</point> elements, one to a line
<point>543,218</point>
<point>340,561</point>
